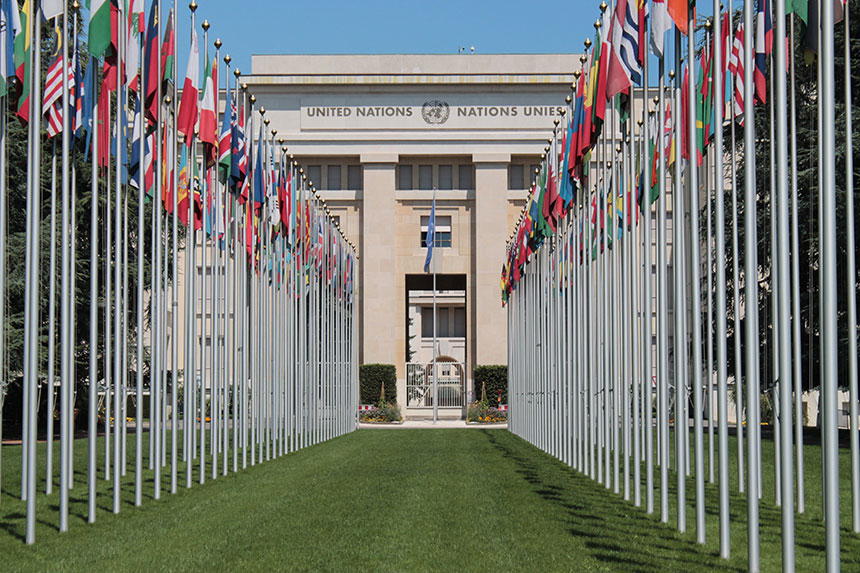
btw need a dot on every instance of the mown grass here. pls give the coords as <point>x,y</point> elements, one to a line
<point>395,500</point>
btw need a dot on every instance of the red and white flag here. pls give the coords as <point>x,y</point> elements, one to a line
<point>208,123</point>
<point>187,118</point>
<point>736,66</point>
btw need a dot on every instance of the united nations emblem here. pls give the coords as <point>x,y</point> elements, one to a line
<point>435,112</point>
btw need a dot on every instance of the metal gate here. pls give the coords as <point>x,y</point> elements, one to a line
<point>450,384</point>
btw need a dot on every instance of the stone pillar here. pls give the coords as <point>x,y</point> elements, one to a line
<point>491,217</point>
<point>379,313</point>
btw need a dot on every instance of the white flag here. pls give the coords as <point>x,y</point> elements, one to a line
<point>660,24</point>
<point>52,8</point>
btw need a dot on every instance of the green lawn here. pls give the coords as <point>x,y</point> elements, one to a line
<point>392,500</point>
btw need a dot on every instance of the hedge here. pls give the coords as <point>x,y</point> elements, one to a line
<point>493,377</point>
<point>370,379</point>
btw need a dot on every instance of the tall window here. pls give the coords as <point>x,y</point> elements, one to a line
<point>425,177</point>
<point>333,174</point>
<point>466,177</point>
<point>354,178</point>
<point>404,177</point>
<point>315,175</point>
<point>443,230</point>
<point>446,177</point>
<point>516,180</point>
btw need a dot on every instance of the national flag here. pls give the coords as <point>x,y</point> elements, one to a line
<point>187,118</point>
<point>799,7</point>
<point>259,175</point>
<point>239,158</point>
<point>76,97</point>
<point>151,61</point>
<point>228,125</point>
<point>134,28</point>
<point>208,124</point>
<point>726,47</point>
<point>183,185</point>
<point>763,46</point>
<point>21,60</point>
<point>430,239</point>
<point>813,20</point>
<point>51,8</point>
<point>678,11</point>
<point>736,66</point>
<point>625,67</point>
<point>168,56</point>
<point>685,115</point>
<point>99,37</point>
<point>10,27</point>
<point>139,160</point>
<point>660,24</point>
<point>52,107</point>
<point>704,104</point>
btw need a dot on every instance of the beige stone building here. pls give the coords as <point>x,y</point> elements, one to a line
<point>378,136</point>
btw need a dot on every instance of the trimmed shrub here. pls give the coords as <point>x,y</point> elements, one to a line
<point>493,377</point>
<point>370,379</point>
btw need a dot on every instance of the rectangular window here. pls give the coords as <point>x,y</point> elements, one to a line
<point>404,177</point>
<point>442,330</point>
<point>426,322</point>
<point>333,175</point>
<point>443,230</point>
<point>466,178</point>
<point>446,177</point>
<point>515,176</point>
<point>425,177</point>
<point>315,175</point>
<point>460,322</point>
<point>354,178</point>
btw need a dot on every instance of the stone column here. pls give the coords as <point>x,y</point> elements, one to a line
<point>379,313</point>
<point>491,218</point>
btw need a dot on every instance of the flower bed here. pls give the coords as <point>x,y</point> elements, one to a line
<point>381,413</point>
<point>482,413</point>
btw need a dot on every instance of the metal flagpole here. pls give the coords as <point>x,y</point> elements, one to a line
<point>435,318</point>
<point>171,113</point>
<point>118,241</point>
<point>662,300</point>
<point>52,327</point>
<point>679,310</point>
<point>797,376</point>
<point>751,293</point>
<point>141,194</point>
<point>92,420</point>
<point>647,354</point>
<point>720,270</point>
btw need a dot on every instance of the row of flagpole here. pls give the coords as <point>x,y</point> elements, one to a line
<point>266,320</point>
<point>589,358</point>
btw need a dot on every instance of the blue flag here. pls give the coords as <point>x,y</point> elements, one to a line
<point>431,236</point>
<point>259,187</point>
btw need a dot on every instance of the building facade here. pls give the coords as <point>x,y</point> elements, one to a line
<point>380,136</point>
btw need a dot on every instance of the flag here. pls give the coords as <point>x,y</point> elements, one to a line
<point>736,66</point>
<point>678,11</point>
<point>259,176</point>
<point>151,57</point>
<point>183,186</point>
<point>430,239</point>
<point>238,156</point>
<point>52,105</point>
<point>763,46</point>
<point>810,39</point>
<point>187,118</point>
<point>21,59</point>
<point>799,7</point>
<point>228,124</point>
<point>10,27</point>
<point>625,67</point>
<point>133,30</point>
<point>168,56</point>
<point>52,8</point>
<point>660,24</point>
<point>704,104</point>
<point>99,37</point>
<point>208,125</point>
<point>138,160</point>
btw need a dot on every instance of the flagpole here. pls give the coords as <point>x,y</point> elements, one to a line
<point>647,355</point>
<point>435,317</point>
<point>52,327</point>
<point>751,295</point>
<point>662,302</point>
<point>117,355</point>
<point>92,419</point>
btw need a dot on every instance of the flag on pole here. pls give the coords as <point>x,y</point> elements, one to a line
<point>21,59</point>
<point>187,118</point>
<point>678,12</point>
<point>52,8</point>
<point>259,176</point>
<point>238,156</point>
<point>168,56</point>
<point>208,124</point>
<point>624,65</point>
<point>736,66</point>
<point>228,124</point>
<point>661,23</point>
<point>430,238</point>
<point>52,105</point>
<point>134,28</point>
<point>151,61</point>
<point>99,37</point>
<point>183,186</point>
<point>763,46</point>
<point>10,27</point>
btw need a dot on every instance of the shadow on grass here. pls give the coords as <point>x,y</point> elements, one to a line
<point>610,529</point>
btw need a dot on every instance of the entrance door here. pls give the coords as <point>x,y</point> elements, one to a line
<point>450,384</point>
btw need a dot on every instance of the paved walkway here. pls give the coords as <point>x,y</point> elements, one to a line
<point>429,425</point>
